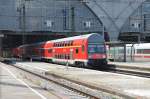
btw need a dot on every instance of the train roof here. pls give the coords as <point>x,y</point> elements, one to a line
<point>140,45</point>
<point>90,37</point>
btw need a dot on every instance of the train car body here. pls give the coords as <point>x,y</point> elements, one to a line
<point>81,50</point>
<point>134,52</point>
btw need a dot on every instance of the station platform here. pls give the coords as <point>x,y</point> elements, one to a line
<point>141,66</point>
<point>14,87</point>
<point>119,84</point>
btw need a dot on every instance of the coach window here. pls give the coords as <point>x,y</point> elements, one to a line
<point>65,56</point>
<point>49,50</point>
<point>65,44</point>
<point>68,44</point>
<point>71,43</point>
<point>68,56</point>
<point>61,44</point>
<point>77,51</point>
<point>83,48</point>
<point>58,44</point>
<point>146,51</point>
<point>139,51</point>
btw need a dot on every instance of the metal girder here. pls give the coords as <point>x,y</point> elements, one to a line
<point>113,13</point>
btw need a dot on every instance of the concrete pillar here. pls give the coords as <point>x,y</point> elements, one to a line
<point>125,54</point>
<point>1,44</point>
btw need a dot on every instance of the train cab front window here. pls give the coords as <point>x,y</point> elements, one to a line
<point>96,48</point>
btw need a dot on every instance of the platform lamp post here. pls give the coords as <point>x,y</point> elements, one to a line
<point>22,21</point>
<point>22,12</point>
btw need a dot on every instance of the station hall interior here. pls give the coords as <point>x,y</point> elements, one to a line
<point>29,21</point>
<point>74,49</point>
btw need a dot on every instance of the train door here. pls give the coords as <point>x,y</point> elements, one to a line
<point>71,56</point>
<point>129,53</point>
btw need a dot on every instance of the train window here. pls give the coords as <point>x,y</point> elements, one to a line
<point>55,44</point>
<point>65,44</point>
<point>139,51</point>
<point>77,50</point>
<point>55,56</point>
<point>68,56</point>
<point>71,43</point>
<point>60,44</point>
<point>61,56</point>
<point>83,48</point>
<point>95,48</point>
<point>146,51</point>
<point>49,50</point>
<point>68,44</point>
<point>65,56</point>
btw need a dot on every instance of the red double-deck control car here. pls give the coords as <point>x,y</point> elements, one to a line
<point>83,50</point>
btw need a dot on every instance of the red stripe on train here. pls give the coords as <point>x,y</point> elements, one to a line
<point>139,56</point>
<point>146,56</point>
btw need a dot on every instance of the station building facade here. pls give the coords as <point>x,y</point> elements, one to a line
<point>117,19</point>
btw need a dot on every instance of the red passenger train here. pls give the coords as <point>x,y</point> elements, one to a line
<point>83,50</point>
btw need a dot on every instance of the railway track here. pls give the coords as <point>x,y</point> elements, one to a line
<point>49,84</point>
<point>53,82</point>
<point>117,69</point>
<point>81,89</point>
<point>128,71</point>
